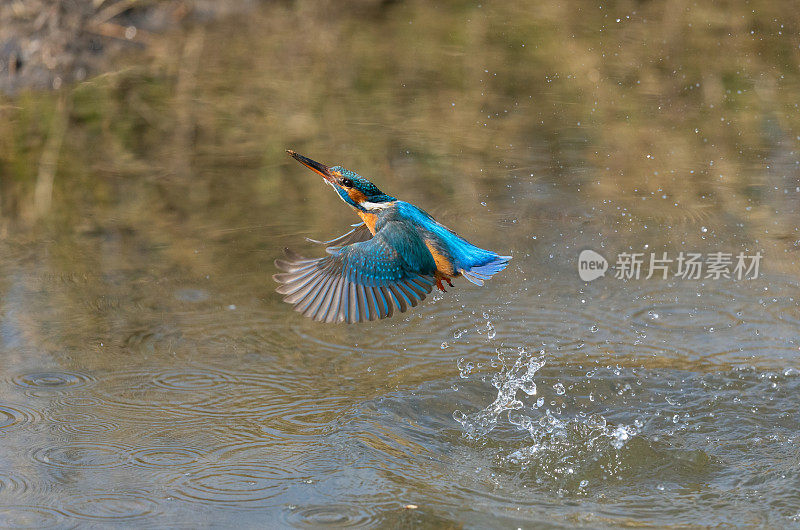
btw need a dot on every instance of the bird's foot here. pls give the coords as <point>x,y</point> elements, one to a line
<point>440,285</point>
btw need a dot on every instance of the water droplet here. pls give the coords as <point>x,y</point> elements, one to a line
<point>465,367</point>
<point>620,436</point>
<point>596,421</point>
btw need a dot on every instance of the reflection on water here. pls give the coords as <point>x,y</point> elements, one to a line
<point>152,375</point>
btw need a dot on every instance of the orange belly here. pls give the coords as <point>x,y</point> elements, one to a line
<point>443,266</point>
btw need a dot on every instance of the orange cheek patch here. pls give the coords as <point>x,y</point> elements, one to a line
<point>357,196</point>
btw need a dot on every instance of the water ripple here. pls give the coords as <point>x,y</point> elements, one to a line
<point>244,484</point>
<point>684,318</point>
<point>165,456</point>
<point>329,515</point>
<point>77,401</point>
<point>164,396</point>
<point>186,394</point>
<point>79,422</point>
<point>148,339</point>
<point>13,415</point>
<point>112,507</point>
<point>190,380</point>
<point>11,483</point>
<point>21,516</point>
<point>82,455</point>
<point>48,383</point>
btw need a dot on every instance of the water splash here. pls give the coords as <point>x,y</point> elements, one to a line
<point>508,381</point>
<point>561,439</point>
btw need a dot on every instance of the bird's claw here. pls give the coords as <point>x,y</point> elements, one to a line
<point>440,285</point>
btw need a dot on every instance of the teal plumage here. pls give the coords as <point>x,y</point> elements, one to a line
<point>387,263</point>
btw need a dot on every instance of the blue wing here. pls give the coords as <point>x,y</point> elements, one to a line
<point>362,281</point>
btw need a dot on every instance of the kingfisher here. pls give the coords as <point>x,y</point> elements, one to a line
<point>388,262</point>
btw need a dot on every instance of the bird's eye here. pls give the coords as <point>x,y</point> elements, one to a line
<point>346,182</point>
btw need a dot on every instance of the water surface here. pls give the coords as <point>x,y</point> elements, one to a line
<point>153,377</point>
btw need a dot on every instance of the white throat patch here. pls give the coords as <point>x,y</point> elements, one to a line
<point>375,205</point>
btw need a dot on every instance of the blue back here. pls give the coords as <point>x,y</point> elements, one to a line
<point>462,253</point>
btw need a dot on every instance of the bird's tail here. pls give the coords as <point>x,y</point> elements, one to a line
<point>478,273</point>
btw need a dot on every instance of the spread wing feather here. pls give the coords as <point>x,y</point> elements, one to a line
<point>365,280</point>
<point>359,233</point>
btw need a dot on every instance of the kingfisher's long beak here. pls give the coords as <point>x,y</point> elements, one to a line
<point>313,165</point>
